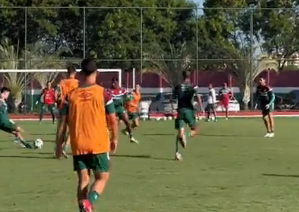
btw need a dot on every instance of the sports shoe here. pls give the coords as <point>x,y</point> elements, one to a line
<point>125,132</point>
<point>178,156</point>
<point>267,135</point>
<point>133,140</point>
<point>271,135</point>
<point>86,206</point>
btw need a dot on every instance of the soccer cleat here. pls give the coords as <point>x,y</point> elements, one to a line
<point>133,140</point>
<point>17,141</point>
<point>267,135</point>
<point>183,141</point>
<point>86,206</point>
<point>271,135</point>
<point>178,156</point>
<point>125,132</point>
<point>64,154</point>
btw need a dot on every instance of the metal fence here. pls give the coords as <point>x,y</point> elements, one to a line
<point>141,37</point>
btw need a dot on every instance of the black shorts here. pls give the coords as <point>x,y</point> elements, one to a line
<point>266,111</point>
<point>210,108</point>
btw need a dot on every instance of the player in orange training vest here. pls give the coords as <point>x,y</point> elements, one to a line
<point>132,107</point>
<point>65,87</point>
<point>85,111</point>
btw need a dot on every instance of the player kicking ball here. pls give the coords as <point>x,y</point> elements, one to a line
<point>119,96</point>
<point>6,124</point>
<point>132,107</point>
<point>184,93</point>
<point>266,98</point>
<point>85,112</point>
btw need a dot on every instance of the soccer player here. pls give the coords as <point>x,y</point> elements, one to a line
<point>225,95</point>
<point>85,111</point>
<point>65,87</point>
<point>266,98</point>
<point>119,96</point>
<point>6,124</point>
<point>48,99</point>
<point>184,93</point>
<point>132,107</point>
<point>211,103</point>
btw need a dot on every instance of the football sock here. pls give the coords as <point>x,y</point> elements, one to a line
<point>93,196</point>
<point>177,145</point>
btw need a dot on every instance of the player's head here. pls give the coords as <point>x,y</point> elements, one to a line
<point>262,81</point>
<point>210,86</point>
<point>88,67</point>
<point>186,75</point>
<point>114,82</point>
<point>71,71</point>
<point>137,88</point>
<point>224,85</point>
<point>49,84</point>
<point>5,91</point>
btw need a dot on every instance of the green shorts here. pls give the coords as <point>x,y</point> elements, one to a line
<point>132,116</point>
<point>185,115</point>
<point>94,162</point>
<point>7,126</point>
<point>119,111</point>
<point>50,107</point>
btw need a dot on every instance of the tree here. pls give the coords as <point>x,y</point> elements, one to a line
<point>170,64</point>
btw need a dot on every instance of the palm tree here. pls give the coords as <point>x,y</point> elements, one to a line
<point>170,63</point>
<point>9,59</point>
<point>241,68</point>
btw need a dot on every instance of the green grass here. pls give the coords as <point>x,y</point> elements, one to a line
<point>229,167</point>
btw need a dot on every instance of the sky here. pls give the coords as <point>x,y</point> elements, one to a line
<point>199,2</point>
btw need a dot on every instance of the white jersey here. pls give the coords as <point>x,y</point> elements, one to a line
<point>212,96</point>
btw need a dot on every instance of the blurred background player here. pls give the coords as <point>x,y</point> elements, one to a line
<point>87,108</point>
<point>119,96</point>
<point>225,95</point>
<point>211,107</point>
<point>65,87</point>
<point>47,100</point>
<point>266,98</point>
<point>8,125</point>
<point>132,107</point>
<point>184,93</point>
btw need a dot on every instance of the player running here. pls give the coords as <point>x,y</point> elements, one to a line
<point>184,93</point>
<point>132,107</point>
<point>211,103</point>
<point>119,96</point>
<point>65,86</point>
<point>266,97</point>
<point>225,95</point>
<point>8,125</point>
<point>85,110</point>
<point>48,98</point>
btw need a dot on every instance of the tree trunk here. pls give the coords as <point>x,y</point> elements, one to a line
<point>245,92</point>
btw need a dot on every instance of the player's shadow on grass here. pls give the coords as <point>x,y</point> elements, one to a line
<point>25,157</point>
<point>228,135</point>
<point>141,157</point>
<point>281,175</point>
<point>158,134</point>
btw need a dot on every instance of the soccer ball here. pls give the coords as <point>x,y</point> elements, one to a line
<point>38,143</point>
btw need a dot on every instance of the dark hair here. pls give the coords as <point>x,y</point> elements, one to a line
<point>114,79</point>
<point>186,74</point>
<point>71,69</point>
<point>5,89</point>
<point>88,66</point>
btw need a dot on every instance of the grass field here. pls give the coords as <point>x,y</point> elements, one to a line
<point>228,167</point>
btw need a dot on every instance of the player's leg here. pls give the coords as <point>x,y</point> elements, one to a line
<point>213,109</point>
<point>41,112</point>
<point>191,121</point>
<point>180,137</point>
<point>100,165</point>
<point>125,119</point>
<point>81,165</point>
<point>51,108</point>
<point>135,120</point>
<point>271,121</point>
<point>66,144</point>
<point>265,113</point>
<point>226,110</point>
<point>208,109</point>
